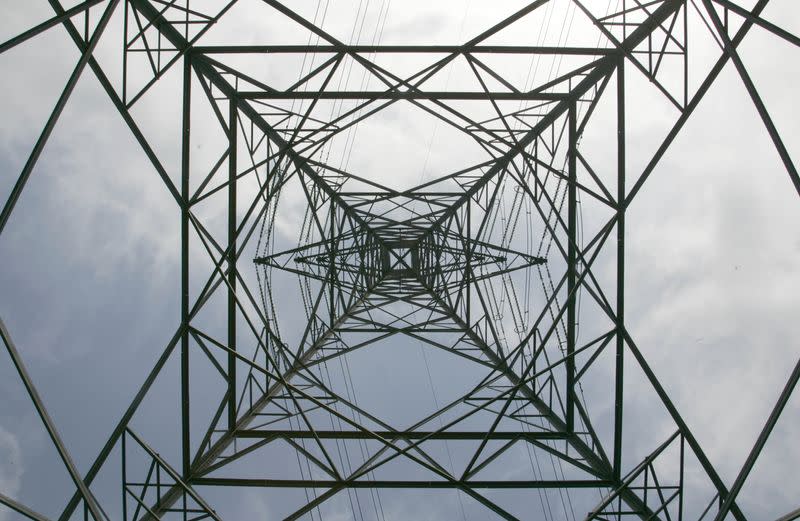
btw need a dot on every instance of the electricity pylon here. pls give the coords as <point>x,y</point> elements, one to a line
<point>493,265</point>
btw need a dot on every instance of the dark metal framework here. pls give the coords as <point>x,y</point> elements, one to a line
<point>423,264</point>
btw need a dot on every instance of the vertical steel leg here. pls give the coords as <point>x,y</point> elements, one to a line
<point>185,426</point>
<point>620,311</point>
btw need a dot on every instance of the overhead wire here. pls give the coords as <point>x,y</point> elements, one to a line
<point>510,294</point>
<point>355,37</point>
<point>422,176</point>
<point>555,66</point>
<point>305,238</point>
<point>579,240</point>
<point>347,152</point>
<point>377,36</point>
<point>366,78</point>
<point>441,425</point>
<point>306,230</point>
<point>506,238</point>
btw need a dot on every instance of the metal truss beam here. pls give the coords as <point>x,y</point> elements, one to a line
<point>401,49</point>
<point>21,509</point>
<point>83,491</point>
<point>401,95</point>
<point>52,22</point>
<point>387,484</point>
<point>406,435</point>
<point>774,416</point>
<point>38,147</point>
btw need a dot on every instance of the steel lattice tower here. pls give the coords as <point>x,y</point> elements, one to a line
<point>492,267</point>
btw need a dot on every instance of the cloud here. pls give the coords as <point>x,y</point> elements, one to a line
<point>11,467</point>
<point>256,506</point>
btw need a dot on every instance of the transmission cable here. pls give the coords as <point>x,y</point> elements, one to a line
<point>344,364</point>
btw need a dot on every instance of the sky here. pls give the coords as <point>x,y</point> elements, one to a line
<point>90,279</point>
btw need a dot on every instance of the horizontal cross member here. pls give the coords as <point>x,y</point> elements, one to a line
<point>403,95</point>
<point>395,49</point>
<point>312,483</point>
<point>407,435</point>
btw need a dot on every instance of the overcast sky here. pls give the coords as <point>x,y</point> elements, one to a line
<point>90,282</point>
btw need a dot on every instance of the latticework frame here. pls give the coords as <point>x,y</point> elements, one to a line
<point>491,266</point>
